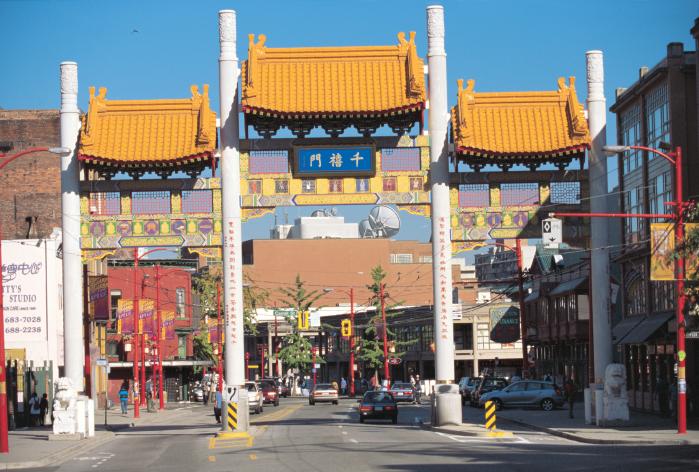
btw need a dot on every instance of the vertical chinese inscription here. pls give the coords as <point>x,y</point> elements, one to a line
<point>444,289</point>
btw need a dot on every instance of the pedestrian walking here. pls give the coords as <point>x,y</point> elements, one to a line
<point>206,392</point>
<point>570,390</point>
<point>417,390</point>
<point>343,385</point>
<point>218,404</point>
<point>124,397</point>
<point>44,408</point>
<point>34,409</point>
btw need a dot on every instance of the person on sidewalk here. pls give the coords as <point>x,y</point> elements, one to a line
<point>417,390</point>
<point>570,391</point>
<point>218,404</point>
<point>34,409</point>
<point>124,396</point>
<point>343,386</point>
<point>43,407</point>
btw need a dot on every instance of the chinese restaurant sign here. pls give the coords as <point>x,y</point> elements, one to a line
<point>327,161</point>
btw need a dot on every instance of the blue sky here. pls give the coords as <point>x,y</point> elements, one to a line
<point>156,49</point>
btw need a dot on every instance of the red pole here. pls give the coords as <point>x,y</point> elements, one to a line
<point>87,368</point>
<point>143,368</point>
<point>4,441</point>
<point>520,277</point>
<point>159,323</point>
<point>220,336</point>
<point>315,349</point>
<point>557,214</point>
<point>136,403</point>
<point>276,347</point>
<point>681,300</point>
<point>351,346</point>
<point>385,336</point>
<point>262,361</point>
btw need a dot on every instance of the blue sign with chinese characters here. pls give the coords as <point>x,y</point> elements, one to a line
<point>329,161</point>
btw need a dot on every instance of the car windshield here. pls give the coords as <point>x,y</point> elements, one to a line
<point>378,397</point>
<point>324,387</point>
<point>267,384</point>
<point>401,386</point>
<point>250,387</point>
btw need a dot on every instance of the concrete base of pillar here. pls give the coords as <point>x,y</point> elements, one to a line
<point>243,415</point>
<point>447,405</point>
<point>588,406</point>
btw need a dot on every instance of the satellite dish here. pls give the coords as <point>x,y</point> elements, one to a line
<point>333,211</point>
<point>318,213</point>
<point>365,230</point>
<point>384,221</point>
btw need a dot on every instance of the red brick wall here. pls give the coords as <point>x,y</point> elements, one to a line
<point>30,186</point>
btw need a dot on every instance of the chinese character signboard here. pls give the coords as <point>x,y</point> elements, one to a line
<point>99,297</point>
<point>504,324</point>
<point>353,160</point>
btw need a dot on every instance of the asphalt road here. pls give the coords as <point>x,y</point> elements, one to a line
<point>329,438</point>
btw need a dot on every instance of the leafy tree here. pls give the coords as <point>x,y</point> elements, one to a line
<point>296,351</point>
<point>203,349</point>
<point>371,346</point>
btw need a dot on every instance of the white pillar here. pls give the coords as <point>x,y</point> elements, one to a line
<point>438,120</point>
<point>229,72</point>
<point>597,118</point>
<point>70,216</point>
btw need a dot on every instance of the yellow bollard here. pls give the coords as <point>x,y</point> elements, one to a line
<point>490,421</point>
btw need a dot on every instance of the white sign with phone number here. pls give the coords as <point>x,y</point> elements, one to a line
<point>24,291</point>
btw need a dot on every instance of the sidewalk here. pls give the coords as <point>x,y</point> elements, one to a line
<point>30,447</point>
<point>642,428</point>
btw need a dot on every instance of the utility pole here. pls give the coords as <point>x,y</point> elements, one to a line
<point>386,373</point>
<point>134,312</point>
<point>351,345</point>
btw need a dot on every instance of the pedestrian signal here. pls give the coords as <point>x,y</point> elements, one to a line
<point>346,328</point>
<point>302,318</point>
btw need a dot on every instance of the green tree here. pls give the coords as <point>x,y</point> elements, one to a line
<point>371,346</point>
<point>203,349</point>
<point>296,351</point>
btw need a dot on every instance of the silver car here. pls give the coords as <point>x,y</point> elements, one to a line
<point>545,395</point>
<point>255,399</point>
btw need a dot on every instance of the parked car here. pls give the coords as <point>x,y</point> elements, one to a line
<point>269,391</point>
<point>402,392</point>
<point>378,405</point>
<point>323,393</point>
<point>255,400</point>
<point>526,393</point>
<point>466,386</point>
<point>196,393</point>
<point>486,384</point>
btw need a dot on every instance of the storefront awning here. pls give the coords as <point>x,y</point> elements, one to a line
<point>646,328</point>
<point>567,287</point>
<point>624,327</point>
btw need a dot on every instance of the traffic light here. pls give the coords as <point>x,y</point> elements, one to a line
<point>346,328</point>
<point>302,318</point>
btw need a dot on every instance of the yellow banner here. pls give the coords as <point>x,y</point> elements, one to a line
<point>662,245</point>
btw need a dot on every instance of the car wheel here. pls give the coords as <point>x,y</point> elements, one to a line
<point>547,404</point>
<point>311,402</point>
<point>276,403</point>
<point>498,404</point>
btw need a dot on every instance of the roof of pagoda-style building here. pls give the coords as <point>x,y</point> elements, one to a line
<point>139,136</point>
<point>333,87</point>
<point>528,128</point>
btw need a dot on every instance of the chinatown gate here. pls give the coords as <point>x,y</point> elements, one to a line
<point>333,89</point>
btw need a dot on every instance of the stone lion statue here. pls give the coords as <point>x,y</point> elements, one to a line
<point>64,406</point>
<point>616,401</point>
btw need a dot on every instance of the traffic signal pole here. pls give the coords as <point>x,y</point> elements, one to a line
<point>385,334</point>
<point>351,345</point>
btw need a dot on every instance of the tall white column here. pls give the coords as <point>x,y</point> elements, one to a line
<point>230,184</point>
<point>70,216</point>
<point>597,119</point>
<point>438,120</point>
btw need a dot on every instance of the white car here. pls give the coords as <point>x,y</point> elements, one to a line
<point>254,397</point>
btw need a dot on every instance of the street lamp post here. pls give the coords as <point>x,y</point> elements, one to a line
<point>674,158</point>
<point>4,440</point>
<point>351,339</point>
<point>385,335</point>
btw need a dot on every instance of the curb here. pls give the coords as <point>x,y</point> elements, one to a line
<point>585,440</point>
<point>59,457</point>
<point>438,429</point>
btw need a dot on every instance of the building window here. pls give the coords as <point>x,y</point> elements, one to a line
<point>308,186</point>
<point>660,192</point>
<point>389,184</point>
<point>401,258</point>
<point>180,302</point>
<point>335,185</point>
<point>634,227</point>
<point>572,308</point>
<point>182,346</point>
<point>281,186</point>
<point>474,195</point>
<point>361,185</point>
<point>630,123</point>
<point>425,259</point>
<point>463,336</point>
<point>583,308</point>
<point>105,203</point>
<point>416,184</point>
<point>254,187</point>
<point>483,336</point>
<point>519,194</point>
<point>150,203</point>
<point>115,296</point>
<point>197,201</point>
<point>112,348</point>
<point>565,192</point>
<point>635,298</point>
<point>657,117</point>
<point>663,296</point>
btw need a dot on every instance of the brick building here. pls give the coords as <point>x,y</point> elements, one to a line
<point>661,107</point>
<point>30,187</point>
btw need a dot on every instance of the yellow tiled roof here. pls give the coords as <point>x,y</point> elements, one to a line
<point>148,132</point>
<point>519,124</point>
<point>333,80</point>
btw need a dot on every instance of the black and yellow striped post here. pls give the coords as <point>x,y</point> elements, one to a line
<point>232,416</point>
<point>490,416</point>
